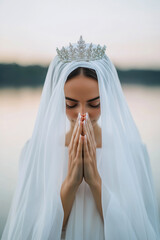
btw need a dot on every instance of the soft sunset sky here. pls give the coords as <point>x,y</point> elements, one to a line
<point>31,30</point>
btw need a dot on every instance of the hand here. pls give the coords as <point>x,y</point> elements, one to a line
<point>91,175</point>
<point>75,163</point>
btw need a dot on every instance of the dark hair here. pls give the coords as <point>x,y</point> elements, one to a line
<point>88,72</point>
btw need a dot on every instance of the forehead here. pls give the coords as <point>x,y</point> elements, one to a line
<point>81,86</point>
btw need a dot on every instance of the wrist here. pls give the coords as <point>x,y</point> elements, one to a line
<point>96,183</point>
<point>71,185</point>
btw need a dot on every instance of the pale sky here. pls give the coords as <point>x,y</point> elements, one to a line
<point>31,30</point>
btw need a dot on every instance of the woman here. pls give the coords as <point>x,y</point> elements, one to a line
<point>75,187</point>
<point>82,94</point>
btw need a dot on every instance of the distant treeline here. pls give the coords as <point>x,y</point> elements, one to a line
<point>14,75</point>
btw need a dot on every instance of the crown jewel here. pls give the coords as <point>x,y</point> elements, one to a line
<point>81,52</point>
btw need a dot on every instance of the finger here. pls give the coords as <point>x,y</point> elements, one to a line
<point>89,142</point>
<point>94,144</point>
<point>91,131</point>
<point>86,150</point>
<point>75,143</point>
<point>71,148</point>
<point>79,149</point>
<point>83,115</point>
<point>74,132</point>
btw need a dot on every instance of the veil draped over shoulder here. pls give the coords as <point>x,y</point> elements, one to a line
<point>36,211</point>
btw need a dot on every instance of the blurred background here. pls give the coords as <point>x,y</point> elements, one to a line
<point>30,31</point>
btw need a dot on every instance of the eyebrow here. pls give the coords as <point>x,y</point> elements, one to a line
<point>74,100</point>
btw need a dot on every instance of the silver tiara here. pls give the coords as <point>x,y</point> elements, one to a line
<point>81,52</point>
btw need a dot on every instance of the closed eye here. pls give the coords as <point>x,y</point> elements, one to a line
<point>93,106</point>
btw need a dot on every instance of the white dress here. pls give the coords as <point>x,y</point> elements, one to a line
<point>84,212</point>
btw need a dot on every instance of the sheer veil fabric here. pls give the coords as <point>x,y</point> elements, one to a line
<point>36,211</point>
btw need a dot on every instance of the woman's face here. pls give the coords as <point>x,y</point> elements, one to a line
<point>79,92</point>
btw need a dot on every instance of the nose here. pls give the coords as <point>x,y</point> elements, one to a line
<point>82,109</point>
<point>83,112</point>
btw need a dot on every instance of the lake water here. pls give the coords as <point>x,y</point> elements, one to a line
<point>18,110</point>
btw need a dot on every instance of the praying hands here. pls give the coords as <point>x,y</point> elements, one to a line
<point>90,174</point>
<point>82,164</point>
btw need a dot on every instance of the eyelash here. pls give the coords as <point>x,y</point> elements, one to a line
<point>96,106</point>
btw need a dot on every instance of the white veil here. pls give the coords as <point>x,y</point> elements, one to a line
<point>36,211</point>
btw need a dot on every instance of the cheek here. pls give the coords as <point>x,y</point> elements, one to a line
<point>95,114</point>
<point>71,114</point>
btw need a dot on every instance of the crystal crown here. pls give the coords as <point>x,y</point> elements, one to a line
<point>81,52</point>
